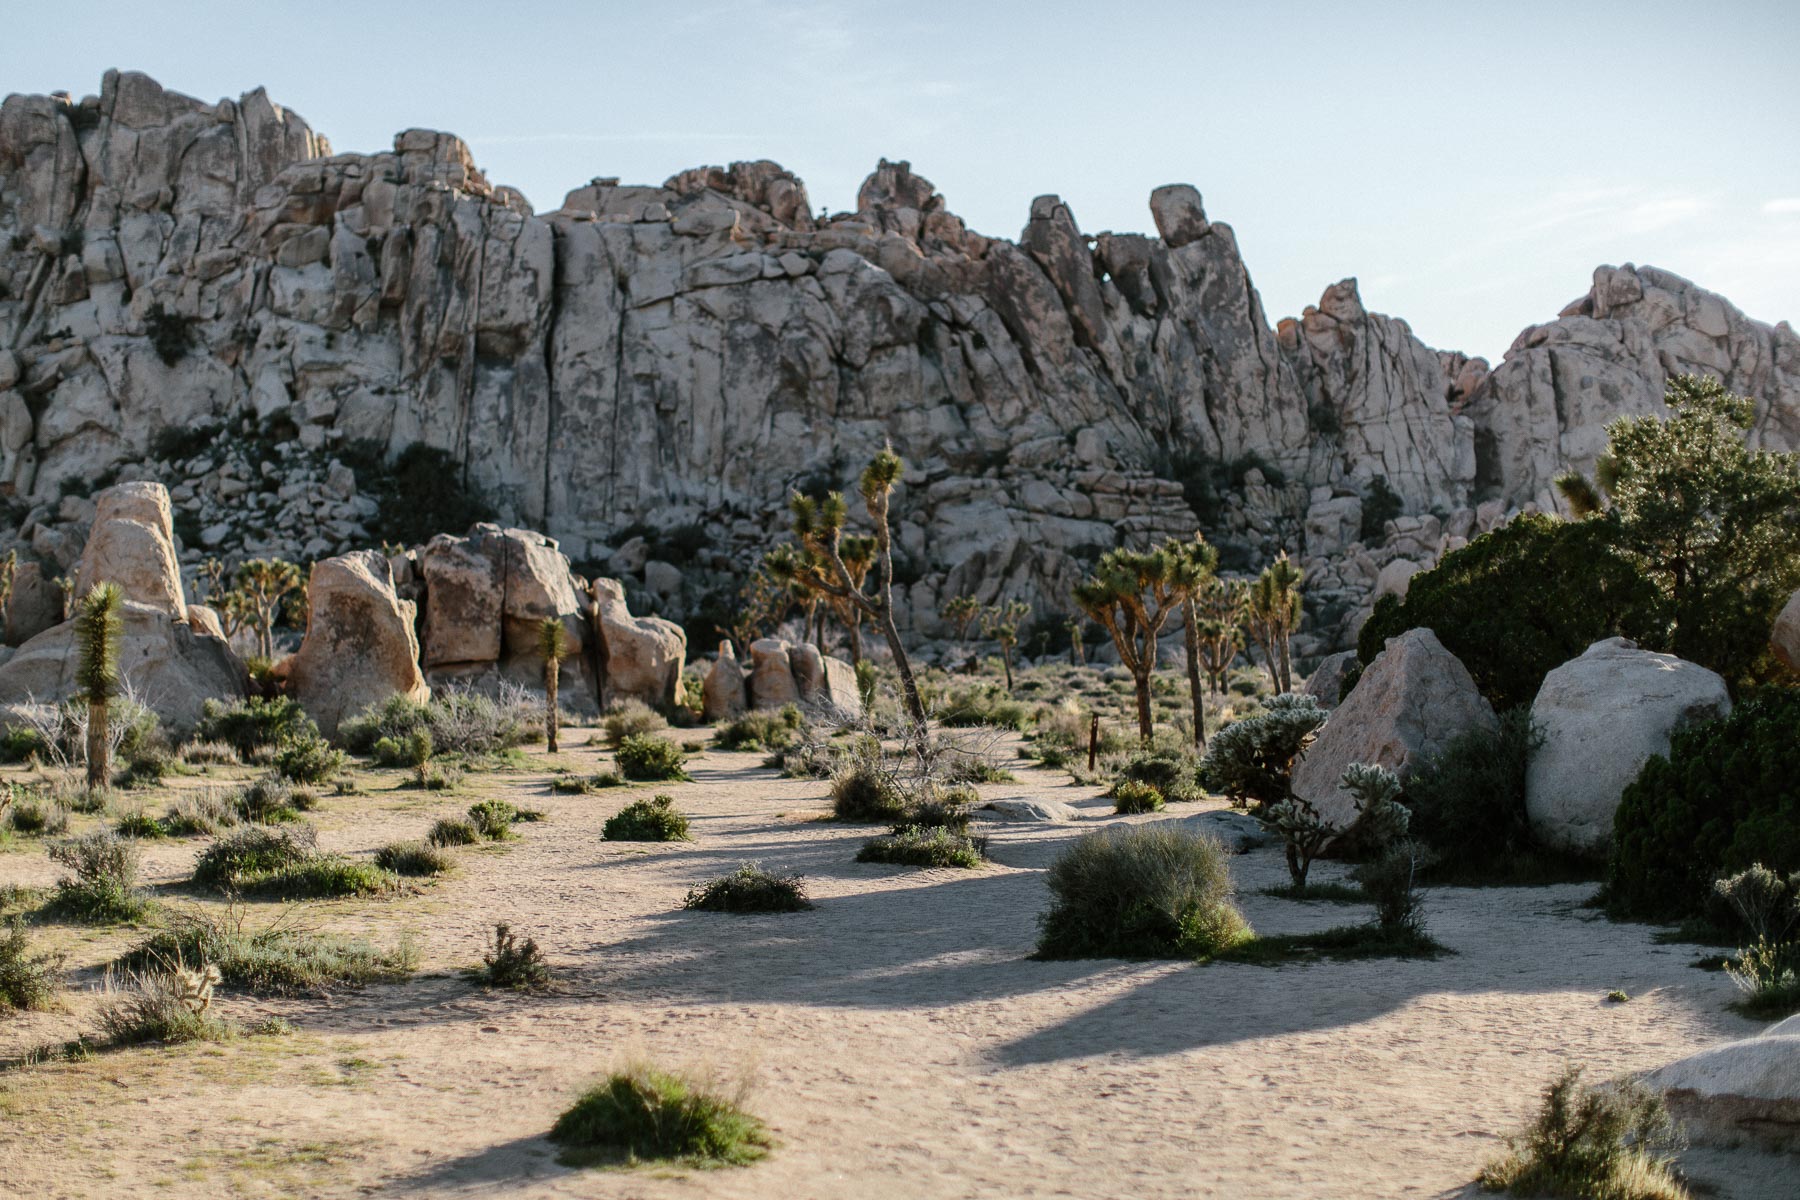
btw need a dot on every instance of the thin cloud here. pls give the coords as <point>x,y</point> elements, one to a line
<point>531,139</point>
<point>1782,206</point>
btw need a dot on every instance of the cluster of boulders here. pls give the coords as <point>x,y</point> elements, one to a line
<point>780,673</point>
<point>462,610</point>
<point>666,363</point>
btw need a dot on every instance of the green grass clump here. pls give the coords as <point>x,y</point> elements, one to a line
<point>1174,776</point>
<point>284,862</point>
<point>647,758</point>
<point>629,718</point>
<point>762,730</point>
<point>255,725</point>
<point>20,742</point>
<point>199,813</point>
<point>652,820</point>
<point>272,800</point>
<point>493,819</point>
<point>514,965</point>
<point>864,791</point>
<point>750,889</point>
<point>308,760</point>
<point>1592,1143</point>
<point>27,980</point>
<point>1341,943</point>
<point>982,704</point>
<point>139,825</point>
<point>150,1007</point>
<point>643,1115</point>
<point>925,846</point>
<point>453,831</point>
<point>585,785</point>
<point>102,885</point>
<point>37,815</point>
<point>1142,891</point>
<point>1330,893</point>
<point>414,859</point>
<point>271,961</point>
<point>1768,975</point>
<point>322,876</point>
<point>1132,797</point>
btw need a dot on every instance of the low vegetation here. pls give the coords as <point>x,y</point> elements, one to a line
<point>283,862</point>
<point>644,1115</point>
<point>513,965</point>
<point>414,859</point>
<point>101,887</point>
<point>750,889</point>
<point>775,730</point>
<point>28,979</point>
<point>1613,1142</point>
<point>1143,891</point>
<point>646,758</point>
<point>652,820</point>
<point>925,846</point>
<point>277,959</point>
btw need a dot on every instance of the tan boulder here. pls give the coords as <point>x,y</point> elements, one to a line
<point>165,663</point>
<point>838,692</point>
<point>359,647</point>
<point>772,674</point>
<point>808,666</point>
<point>1784,639</point>
<point>1603,716</point>
<point>1741,1091</point>
<point>132,544</point>
<point>723,692</point>
<point>1411,702</point>
<point>640,657</point>
<point>463,602</point>
<point>36,604</point>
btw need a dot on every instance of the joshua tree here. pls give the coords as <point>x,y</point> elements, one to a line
<point>1274,606</point>
<point>1206,560</point>
<point>961,612</point>
<point>553,644</point>
<point>262,585</point>
<point>819,524</point>
<point>763,601</point>
<point>1219,613</point>
<point>858,553</point>
<point>1133,594</point>
<point>1077,651</point>
<point>97,632</point>
<point>1001,623</point>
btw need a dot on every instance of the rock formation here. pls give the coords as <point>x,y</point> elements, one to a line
<point>1411,702</point>
<point>784,672</point>
<point>359,647</point>
<point>666,362</point>
<point>640,658</point>
<point>1743,1091</point>
<point>722,695</point>
<point>1603,716</point>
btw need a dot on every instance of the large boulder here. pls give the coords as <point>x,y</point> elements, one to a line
<point>1741,1091</point>
<point>1411,702</point>
<point>838,692</point>
<point>722,693</point>
<point>132,544</point>
<point>1603,716</point>
<point>640,658</point>
<point>1784,639</point>
<point>165,663</point>
<point>463,601</point>
<point>359,647</point>
<point>772,674</point>
<point>1326,683</point>
<point>36,604</point>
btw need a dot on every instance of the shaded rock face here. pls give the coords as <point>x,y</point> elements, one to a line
<point>359,647</point>
<point>36,605</point>
<point>1411,702</point>
<point>640,658</point>
<point>1747,1090</point>
<point>1326,683</point>
<point>1603,716</point>
<point>686,353</point>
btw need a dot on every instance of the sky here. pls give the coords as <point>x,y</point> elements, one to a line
<point>1469,163</point>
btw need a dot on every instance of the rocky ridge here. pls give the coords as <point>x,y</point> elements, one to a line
<point>205,294</point>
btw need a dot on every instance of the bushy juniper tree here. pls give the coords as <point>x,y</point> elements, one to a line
<point>1132,594</point>
<point>98,629</point>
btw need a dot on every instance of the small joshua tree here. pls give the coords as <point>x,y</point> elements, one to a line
<point>1077,651</point>
<point>98,629</point>
<point>1219,630</point>
<point>961,612</point>
<point>819,524</point>
<point>1274,612</point>
<point>553,644</point>
<point>262,586</point>
<point>1001,623</point>
<point>1133,594</point>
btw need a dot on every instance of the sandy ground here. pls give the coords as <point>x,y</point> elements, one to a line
<point>899,1041</point>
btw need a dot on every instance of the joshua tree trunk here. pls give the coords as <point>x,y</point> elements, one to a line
<point>855,624</point>
<point>552,677</point>
<point>99,764</point>
<point>1287,667</point>
<point>1006,661</point>
<point>1142,675</point>
<point>1195,688</point>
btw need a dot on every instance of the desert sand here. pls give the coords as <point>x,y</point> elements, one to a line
<point>897,1039</point>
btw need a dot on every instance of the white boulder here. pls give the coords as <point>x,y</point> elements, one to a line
<point>359,647</point>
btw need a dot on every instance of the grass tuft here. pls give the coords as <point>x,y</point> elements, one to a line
<point>750,889</point>
<point>652,820</point>
<point>925,846</point>
<point>644,1115</point>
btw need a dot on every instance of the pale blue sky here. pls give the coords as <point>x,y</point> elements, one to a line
<point>1470,164</point>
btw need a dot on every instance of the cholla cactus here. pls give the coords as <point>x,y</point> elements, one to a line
<point>1304,834</point>
<point>193,986</point>
<point>1381,819</point>
<point>97,633</point>
<point>553,645</point>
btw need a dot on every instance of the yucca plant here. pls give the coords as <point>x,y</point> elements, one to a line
<point>553,645</point>
<point>98,629</point>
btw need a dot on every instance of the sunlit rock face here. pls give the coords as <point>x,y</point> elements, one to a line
<point>682,356</point>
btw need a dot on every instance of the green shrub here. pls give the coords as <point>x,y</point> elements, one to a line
<point>865,791</point>
<point>1468,802</point>
<point>1611,1143</point>
<point>250,852</point>
<point>762,730</point>
<point>458,720</point>
<point>982,704</point>
<point>645,1115</point>
<point>415,859</point>
<point>451,831</point>
<point>1391,881</point>
<point>1142,891</point>
<point>1722,800</point>
<point>1253,759</point>
<point>647,758</point>
<point>629,718</point>
<point>1768,974</point>
<point>200,753</point>
<point>248,726</point>
<point>652,820</point>
<point>585,785</point>
<point>272,800</point>
<point>37,815</point>
<point>308,760</point>
<point>925,846</point>
<point>27,980</point>
<point>139,825</point>
<point>750,889</point>
<point>493,819</point>
<point>1173,776</point>
<point>21,742</point>
<point>199,813</point>
<point>1517,602</point>
<point>320,876</point>
<point>153,1007</point>
<point>102,886</point>
<point>514,965</point>
<point>1132,797</point>
<point>278,960</point>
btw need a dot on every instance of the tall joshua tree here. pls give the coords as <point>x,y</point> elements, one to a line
<point>1133,594</point>
<point>1274,606</point>
<point>1001,623</point>
<point>819,524</point>
<point>263,584</point>
<point>1206,560</point>
<point>97,632</point>
<point>553,645</point>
